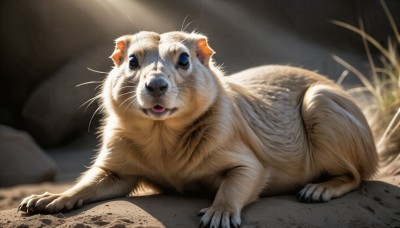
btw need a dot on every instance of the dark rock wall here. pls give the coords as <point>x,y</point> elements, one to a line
<point>42,42</point>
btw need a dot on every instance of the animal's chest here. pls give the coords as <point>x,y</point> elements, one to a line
<point>172,175</point>
<point>160,167</point>
<point>162,160</point>
<point>169,179</point>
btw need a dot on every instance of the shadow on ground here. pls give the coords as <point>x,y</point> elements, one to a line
<point>374,204</point>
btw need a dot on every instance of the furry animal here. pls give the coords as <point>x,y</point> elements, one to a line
<point>174,122</point>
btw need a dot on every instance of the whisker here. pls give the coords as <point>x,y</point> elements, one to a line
<point>129,87</point>
<point>89,105</point>
<point>183,26</point>
<point>187,25</point>
<point>134,103</point>
<point>96,71</point>
<point>91,118</point>
<point>183,23</point>
<point>127,99</point>
<point>97,87</point>
<point>126,108</point>
<point>87,83</point>
<point>130,92</point>
<point>91,100</point>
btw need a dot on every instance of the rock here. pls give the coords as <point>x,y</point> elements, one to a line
<point>35,45</point>
<point>22,160</point>
<point>374,204</point>
<point>52,113</point>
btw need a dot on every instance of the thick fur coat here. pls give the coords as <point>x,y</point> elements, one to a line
<point>175,123</point>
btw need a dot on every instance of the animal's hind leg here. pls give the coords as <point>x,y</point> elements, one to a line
<point>325,191</point>
<point>341,143</point>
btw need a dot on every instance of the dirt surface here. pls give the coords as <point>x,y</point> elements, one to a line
<point>374,204</point>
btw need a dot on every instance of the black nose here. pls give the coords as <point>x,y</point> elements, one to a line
<point>157,86</point>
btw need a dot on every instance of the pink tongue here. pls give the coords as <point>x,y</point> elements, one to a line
<point>158,109</point>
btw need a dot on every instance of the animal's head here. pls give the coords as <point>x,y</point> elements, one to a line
<point>161,76</point>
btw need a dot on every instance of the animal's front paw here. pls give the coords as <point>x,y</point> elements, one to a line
<point>49,203</point>
<point>219,217</point>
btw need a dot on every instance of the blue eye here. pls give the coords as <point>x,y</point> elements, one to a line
<point>183,61</point>
<point>133,62</point>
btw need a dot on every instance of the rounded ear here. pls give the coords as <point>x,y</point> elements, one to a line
<point>203,51</point>
<point>120,46</point>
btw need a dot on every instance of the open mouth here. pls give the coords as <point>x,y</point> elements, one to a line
<point>159,110</point>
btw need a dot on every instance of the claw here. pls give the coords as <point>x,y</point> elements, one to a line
<point>31,209</point>
<point>22,208</point>
<point>79,204</point>
<point>321,197</point>
<point>235,222</point>
<point>298,196</point>
<point>201,225</point>
<point>310,200</point>
<point>301,197</point>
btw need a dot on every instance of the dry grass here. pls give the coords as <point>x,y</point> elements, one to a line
<point>379,97</point>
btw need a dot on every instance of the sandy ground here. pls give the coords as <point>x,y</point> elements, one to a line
<point>374,204</point>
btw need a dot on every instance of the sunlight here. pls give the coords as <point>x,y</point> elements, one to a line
<point>125,15</point>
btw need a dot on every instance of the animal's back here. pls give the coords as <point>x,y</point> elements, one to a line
<point>278,104</point>
<point>270,98</point>
<point>271,82</point>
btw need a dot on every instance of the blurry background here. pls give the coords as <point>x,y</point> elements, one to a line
<point>47,46</point>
